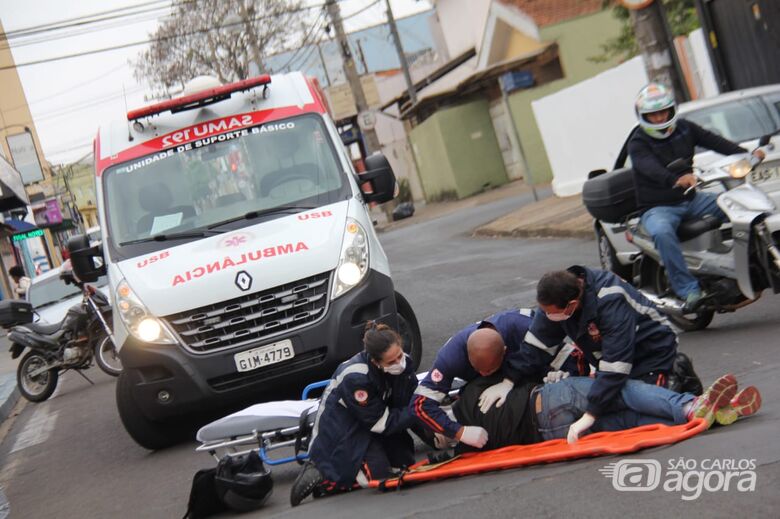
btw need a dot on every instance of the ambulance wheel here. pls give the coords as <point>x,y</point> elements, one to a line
<point>409,329</point>
<point>149,434</point>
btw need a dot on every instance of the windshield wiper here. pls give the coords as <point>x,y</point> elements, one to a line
<point>251,215</point>
<point>172,236</point>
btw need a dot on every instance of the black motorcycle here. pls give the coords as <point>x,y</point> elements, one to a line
<point>72,344</point>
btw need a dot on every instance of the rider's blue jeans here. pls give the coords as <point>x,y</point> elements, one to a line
<point>564,402</point>
<point>661,223</point>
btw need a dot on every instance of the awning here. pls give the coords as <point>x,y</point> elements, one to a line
<point>20,225</point>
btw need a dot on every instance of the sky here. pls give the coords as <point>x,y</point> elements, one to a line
<point>69,98</point>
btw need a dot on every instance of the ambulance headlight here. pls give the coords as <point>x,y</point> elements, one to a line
<point>136,317</point>
<point>353,263</point>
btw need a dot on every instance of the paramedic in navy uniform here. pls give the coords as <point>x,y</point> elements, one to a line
<point>483,349</point>
<point>618,330</point>
<point>360,429</point>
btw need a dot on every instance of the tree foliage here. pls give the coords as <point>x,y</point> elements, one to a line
<point>680,14</point>
<point>222,39</point>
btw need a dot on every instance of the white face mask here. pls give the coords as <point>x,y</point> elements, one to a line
<point>397,368</point>
<point>558,317</point>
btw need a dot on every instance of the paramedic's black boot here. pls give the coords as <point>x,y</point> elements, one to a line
<point>683,378</point>
<point>308,479</point>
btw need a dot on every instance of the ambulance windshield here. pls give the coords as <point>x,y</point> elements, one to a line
<point>285,163</point>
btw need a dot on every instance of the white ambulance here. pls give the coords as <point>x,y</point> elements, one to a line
<point>240,252</point>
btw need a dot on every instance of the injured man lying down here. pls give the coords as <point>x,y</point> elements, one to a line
<point>533,413</point>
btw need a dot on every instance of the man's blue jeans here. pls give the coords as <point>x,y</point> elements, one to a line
<point>661,223</point>
<point>564,402</point>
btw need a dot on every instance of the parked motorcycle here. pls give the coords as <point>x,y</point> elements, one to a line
<point>72,344</point>
<point>734,262</point>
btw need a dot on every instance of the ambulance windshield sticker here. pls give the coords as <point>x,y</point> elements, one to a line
<point>165,222</point>
<point>266,128</point>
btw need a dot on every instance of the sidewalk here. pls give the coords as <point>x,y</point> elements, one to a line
<point>551,216</point>
<point>9,393</point>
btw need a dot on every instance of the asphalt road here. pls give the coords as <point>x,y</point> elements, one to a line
<point>70,457</point>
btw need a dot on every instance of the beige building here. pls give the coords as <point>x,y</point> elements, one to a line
<point>20,147</point>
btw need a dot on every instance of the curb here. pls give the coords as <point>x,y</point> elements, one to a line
<point>9,395</point>
<point>535,232</point>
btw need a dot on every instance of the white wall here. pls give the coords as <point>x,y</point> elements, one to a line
<point>702,65</point>
<point>462,23</point>
<point>584,126</point>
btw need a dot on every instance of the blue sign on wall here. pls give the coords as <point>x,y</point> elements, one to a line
<point>512,81</point>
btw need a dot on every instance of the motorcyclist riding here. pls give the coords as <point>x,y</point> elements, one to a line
<point>662,195</point>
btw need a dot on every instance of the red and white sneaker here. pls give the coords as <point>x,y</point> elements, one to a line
<point>718,395</point>
<point>745,403</point>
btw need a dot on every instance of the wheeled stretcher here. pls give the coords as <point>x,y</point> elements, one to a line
<point>271,426</point>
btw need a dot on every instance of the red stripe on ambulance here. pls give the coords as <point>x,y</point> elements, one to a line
<point>229,262</point>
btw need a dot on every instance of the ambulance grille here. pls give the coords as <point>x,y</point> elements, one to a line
<point>254,317</point>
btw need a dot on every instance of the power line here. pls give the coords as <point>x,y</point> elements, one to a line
<point>84,30</point>
<point>156,40</point>
<point>304,43</point>
<point>80,20</point>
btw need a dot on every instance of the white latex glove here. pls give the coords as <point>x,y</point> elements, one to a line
<point>579,427</point>
<point>441,442</point>
<point>555,376</point>
<point>474,436</point>
<point>495,394</point>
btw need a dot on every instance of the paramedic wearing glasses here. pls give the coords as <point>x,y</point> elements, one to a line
<point>360,430</point>
<point>618,329</point>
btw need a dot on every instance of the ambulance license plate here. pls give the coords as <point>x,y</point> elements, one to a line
<point>264,356</point>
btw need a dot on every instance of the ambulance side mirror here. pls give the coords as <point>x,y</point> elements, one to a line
<point>83,259</point>
<point>381,177</point>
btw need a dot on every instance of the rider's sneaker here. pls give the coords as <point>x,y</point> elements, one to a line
<point>308,479</point>
<point>746,403</point>
<point>718,395</point>
<point>694,301</point>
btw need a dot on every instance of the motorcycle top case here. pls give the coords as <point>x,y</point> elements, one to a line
<point>610,197</point>
<point>15,311</point>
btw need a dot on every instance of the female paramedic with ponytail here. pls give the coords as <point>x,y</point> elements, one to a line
<point>360,429</point>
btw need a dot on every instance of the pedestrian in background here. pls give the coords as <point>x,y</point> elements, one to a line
<point>22,282</point>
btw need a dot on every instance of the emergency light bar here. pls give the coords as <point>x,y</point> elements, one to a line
<point>198,99</point>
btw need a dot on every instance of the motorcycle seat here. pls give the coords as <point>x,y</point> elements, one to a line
<point>689,229</point>
<point>42,328</point>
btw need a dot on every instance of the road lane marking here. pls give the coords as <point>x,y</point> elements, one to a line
<point>37,430</point>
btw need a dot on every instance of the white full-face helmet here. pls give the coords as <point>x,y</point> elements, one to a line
<point>653,98</point>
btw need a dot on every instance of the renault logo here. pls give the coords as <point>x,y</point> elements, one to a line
<point>243,281</point>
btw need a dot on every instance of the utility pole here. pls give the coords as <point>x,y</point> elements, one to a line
<point>653,38</point>
<point>370,139</point>
<point>401,56</point>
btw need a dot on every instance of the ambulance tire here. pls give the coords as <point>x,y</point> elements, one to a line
<point>149,434</point>
<point>409,329</point>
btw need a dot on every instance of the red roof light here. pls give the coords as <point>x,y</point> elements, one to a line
<point>198,99</point>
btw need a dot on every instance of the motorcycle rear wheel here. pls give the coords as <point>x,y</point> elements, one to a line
<point>35,388</point>
<point>106,356</point>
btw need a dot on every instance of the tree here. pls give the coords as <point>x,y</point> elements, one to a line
<point>681,15</point>
<point>222,39</point>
